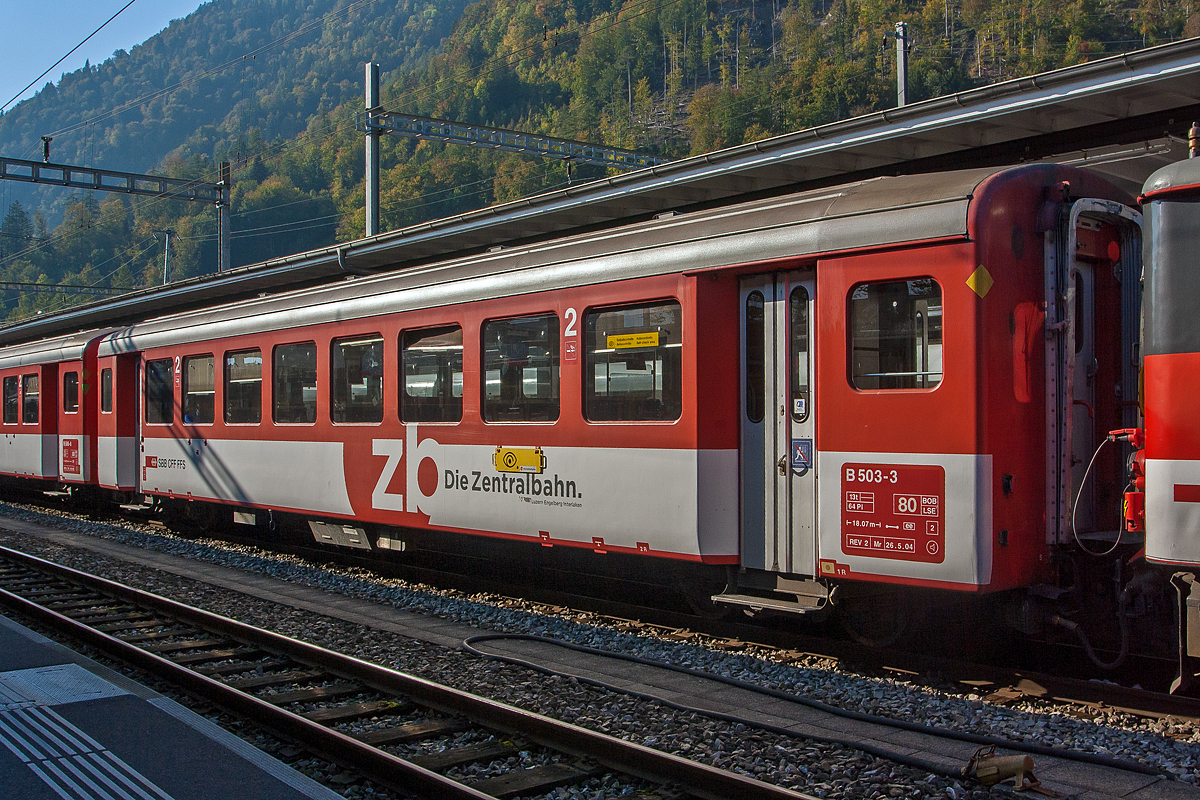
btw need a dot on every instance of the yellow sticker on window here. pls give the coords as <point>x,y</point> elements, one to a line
<point>626,340</point>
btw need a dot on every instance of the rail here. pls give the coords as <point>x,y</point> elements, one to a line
<point>200,657</point>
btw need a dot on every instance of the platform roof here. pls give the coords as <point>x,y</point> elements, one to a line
<point>1125,115</point>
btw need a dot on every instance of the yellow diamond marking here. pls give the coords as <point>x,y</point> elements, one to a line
<point>980,281</point>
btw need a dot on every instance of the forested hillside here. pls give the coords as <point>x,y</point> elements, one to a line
<point>667,76</point>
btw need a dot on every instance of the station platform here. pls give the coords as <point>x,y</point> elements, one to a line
<point>72,728</point>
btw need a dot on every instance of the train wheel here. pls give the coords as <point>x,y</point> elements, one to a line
<point>878,618</point>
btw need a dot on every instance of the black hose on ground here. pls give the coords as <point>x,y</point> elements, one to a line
<point>938,769</point>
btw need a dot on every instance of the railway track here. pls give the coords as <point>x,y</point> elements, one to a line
<point>320,699</point>
<point>1000,683</point>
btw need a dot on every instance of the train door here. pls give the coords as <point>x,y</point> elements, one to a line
<point>117,441</point>
<point>778,443</point>
<point>73,449</point>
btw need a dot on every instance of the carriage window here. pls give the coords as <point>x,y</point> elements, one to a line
<point>71,392</point>
<point>160,392</point>
<point>30,404</point>
<point>520,369</point>
<point>358,379</point>
<point>432,375</point>
<point>896,335</point>
<point>12,400</point>
<point>756,362</point>
<point>106,391</point>
<point>243,387</point>
<point>634,363</point>
<point>199,390</point>
<point>798,358</point>
<point>294,385</point>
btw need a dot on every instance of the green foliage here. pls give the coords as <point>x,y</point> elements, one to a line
<point>672,78</point>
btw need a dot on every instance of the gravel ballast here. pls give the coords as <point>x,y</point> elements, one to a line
<point>825,770</point>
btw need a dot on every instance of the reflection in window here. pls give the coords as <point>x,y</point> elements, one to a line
<point>294,382</point>
<point>432,375</point>
<point>756,376</point>
<point>160,392</point>
<point>70,392</point>
<point>896,335</point>
<point>30,405</point>
<point>801,398</point>
<point>520,369</point>
<point>199,390</point>
<point>358,379</point>
<point>12,400</point>
<point>634,366</point>
<point>106,391</point>
<point>243,387</point>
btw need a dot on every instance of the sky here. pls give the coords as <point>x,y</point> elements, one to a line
<point>39,32</point>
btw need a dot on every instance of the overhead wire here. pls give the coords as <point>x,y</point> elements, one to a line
<point>154,95</point>
<point>64,58</point>
<point>4,304</point>
<point>338,125</point>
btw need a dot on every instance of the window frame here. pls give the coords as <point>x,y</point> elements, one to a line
<point>226,394</point>
<point>72,395</point>
<point>37,403</point>
<point>795,388</point>
<point>555,341</point>
<point>15,382</point>
<point>364,339</point>
<point>145,399</point>
<point>402,382</point>
<point>184,393</point>
<point>588,365</point>
<point>106,390</point>
<point>316,383</point>
<point>851,328</point>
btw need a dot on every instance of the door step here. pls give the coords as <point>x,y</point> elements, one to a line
<point>757,603</point>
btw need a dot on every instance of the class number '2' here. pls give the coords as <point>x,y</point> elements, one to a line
<point>572,317</point>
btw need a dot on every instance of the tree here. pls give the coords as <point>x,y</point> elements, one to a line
<point>16,233</point>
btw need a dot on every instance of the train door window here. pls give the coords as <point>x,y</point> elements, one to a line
<point>71,392</point>
<point>432,375</point>
<point>520,369</point>
<point>12,400</point>
<point>896,334</point>
<point>756,359</point>
<point>243,387</point>
<point>358,379</point>
<point>106,391</point>
<point>294,384</point>
<point>199,390</point>
<point>634,363</point>
<point>160,392</point>
<point>29,404</point>
<point>798,360</point>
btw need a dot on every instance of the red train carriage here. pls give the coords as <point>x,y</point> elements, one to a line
<point>48,400</point>
<point>846,386</point>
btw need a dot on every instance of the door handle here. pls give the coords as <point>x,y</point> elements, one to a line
<point>782,465</point>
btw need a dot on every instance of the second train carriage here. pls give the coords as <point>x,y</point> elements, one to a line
<point>897,382</point>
